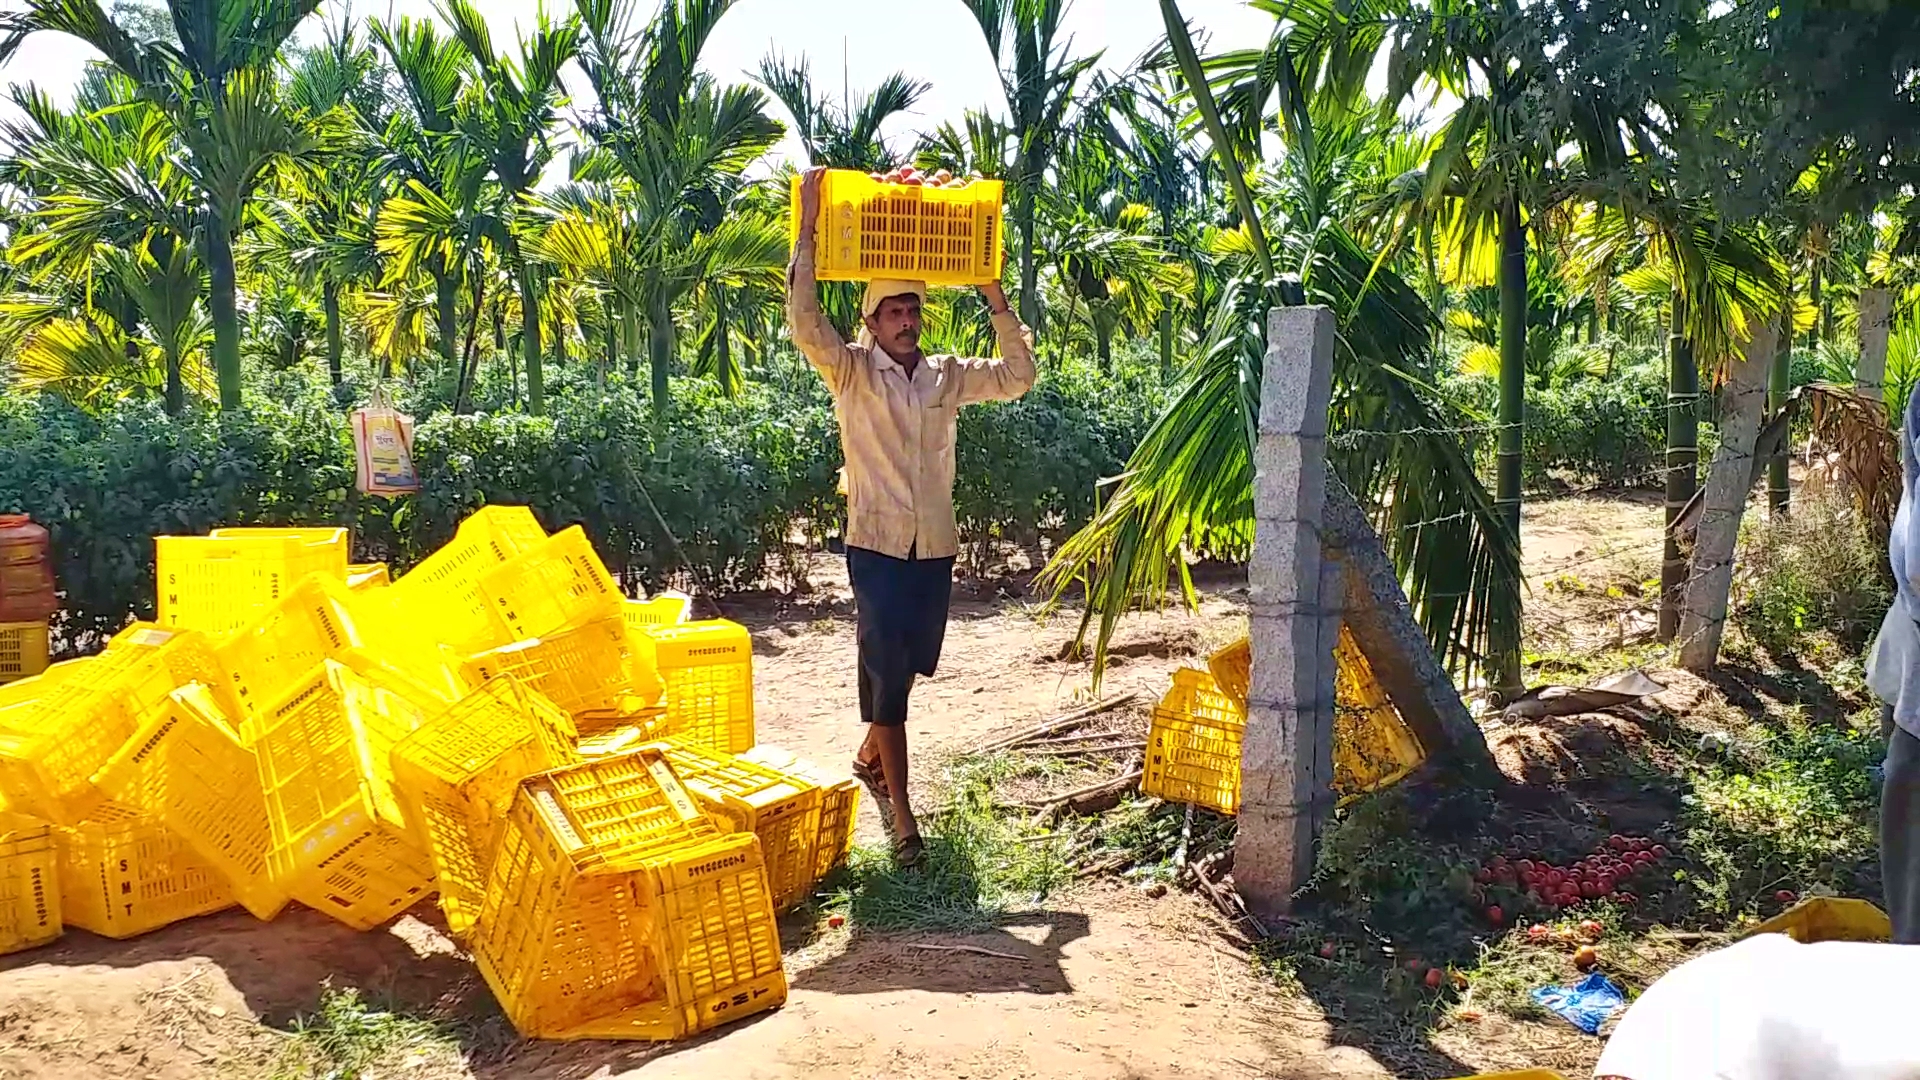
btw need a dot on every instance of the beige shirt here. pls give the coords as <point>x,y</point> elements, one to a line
<point>897,432</point>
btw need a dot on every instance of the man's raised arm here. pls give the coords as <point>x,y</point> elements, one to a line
<point>812,334</point>
<point>1009,376</point>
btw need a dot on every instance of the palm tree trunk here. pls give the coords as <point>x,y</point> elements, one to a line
<point>1511,417</point>
<point>1103,342</point>
<point>176,388</point>
<point>1683,460</point>
<point>1870,374</point>
<point>659,349</point>
<point>1166,343</point>
<point>1029,269</point>
<point>530,340</point>
<point>1778,380</point>
<point>330,302</point>
<point>1704,617</point>
<point>469,365</point>
<point>1814,298</point>
<point>446,302</point>
<point>223,305</point>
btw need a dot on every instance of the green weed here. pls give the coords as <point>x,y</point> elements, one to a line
<point>348,1039</point>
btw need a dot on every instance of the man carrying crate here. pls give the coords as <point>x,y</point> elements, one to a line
<point>896,409</point>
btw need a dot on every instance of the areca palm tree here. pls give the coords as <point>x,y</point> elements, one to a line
<point>217,92</point>
<point>1189,486</point>
<point>511,126</point>
<point>1041,82</point>
<point>683,144</point>
<point>844,135</point>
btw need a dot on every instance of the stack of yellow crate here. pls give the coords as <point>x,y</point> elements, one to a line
<point>574,774</point>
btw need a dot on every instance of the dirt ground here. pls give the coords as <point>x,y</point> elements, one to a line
<point>1104,982</point>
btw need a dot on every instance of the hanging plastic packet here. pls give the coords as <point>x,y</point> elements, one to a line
<point>383,449</point>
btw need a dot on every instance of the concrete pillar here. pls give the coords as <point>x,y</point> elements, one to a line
<point>1876,319</point>
<point>1286,765</point>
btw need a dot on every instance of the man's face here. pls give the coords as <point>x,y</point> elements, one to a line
<point>895,325</point>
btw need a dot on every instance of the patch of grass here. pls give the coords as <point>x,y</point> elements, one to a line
<point>1797,812</point>
<point>982,862</point>
<point>348,1039</point>
<point>1814,584</point>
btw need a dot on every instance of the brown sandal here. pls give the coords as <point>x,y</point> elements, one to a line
<point>910,852</point>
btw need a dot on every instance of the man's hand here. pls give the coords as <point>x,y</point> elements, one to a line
<point>996,298</point>
<point>810,203</point>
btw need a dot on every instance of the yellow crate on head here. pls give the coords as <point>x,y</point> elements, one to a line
<point>592,668</point>
<point>443,591</point>
<point>130,877</point>
<point>671,942</point>
<point>839,803</point>
<point>870,229</point>
<point>1193,745</point>
<point>456,777</point>
<point>309,624</point>
<point>782,809</point>
<point>706,670</point>
<point>29,884</point>
<point>340,840</point>
<point>23,650</point>
<point>187,769</point>
<point>557,585</point>
<point>80,714</point>
<point>221,583</point>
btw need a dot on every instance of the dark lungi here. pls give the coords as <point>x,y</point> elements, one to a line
<point>901,610</point>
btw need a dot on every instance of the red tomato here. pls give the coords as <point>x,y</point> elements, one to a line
<point>1414,965</point>
<point>1604,883</point>
<point>1434,978</point>
<point>1328,950</point>
<point>1617,842</point>
<point>1495,915</point>
<point>1538,932</point>
<point>1785,896</point>
<point>1525,866</point>
<point>1592,928</point>
<point>1659,851</point>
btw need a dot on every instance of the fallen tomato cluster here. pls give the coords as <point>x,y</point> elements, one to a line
<point>1602,875</point>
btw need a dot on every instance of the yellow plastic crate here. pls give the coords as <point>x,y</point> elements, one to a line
<point>23,650</point>
<point>782,809</point>
<point>362,577</point>
<point>81,714</point>
<point>141,635</point>
<point>610,806</point>
<point>706,669</point>
<point>340,840</point>
<point>456,777</point>
<point>1372,746</point>
<point>839,803</point>
<point>131,877</point>
<point>589,669</point>
<point>219,584</point>
<point>29,885</point>
<point>187,769</point>
<point>444,588</point>
<point>1232,670</point>
<point>309,624</point>
<point>1193,746</point>
<point>666,609</point>
<point>560,584</point>
<point>632,722</point>
<point>871,229</point>
<point>1829,918</point>
<point>672,942</point>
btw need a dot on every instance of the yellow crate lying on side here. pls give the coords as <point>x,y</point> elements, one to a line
<point>220,583</point>
<point>456,777</point>
<point>558,584</point>
<point>187,769</point>
<point>590,668</point>
<point>839,803</point>
<point>70,721</point>
<point>131,877</point>
<point>29,884</point>
<point>782,809</point>
<point>445,587</point>
<point>23,650</point>
<point>341,844</point>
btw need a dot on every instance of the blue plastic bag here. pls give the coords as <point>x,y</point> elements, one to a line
<point>1586,1005</point>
